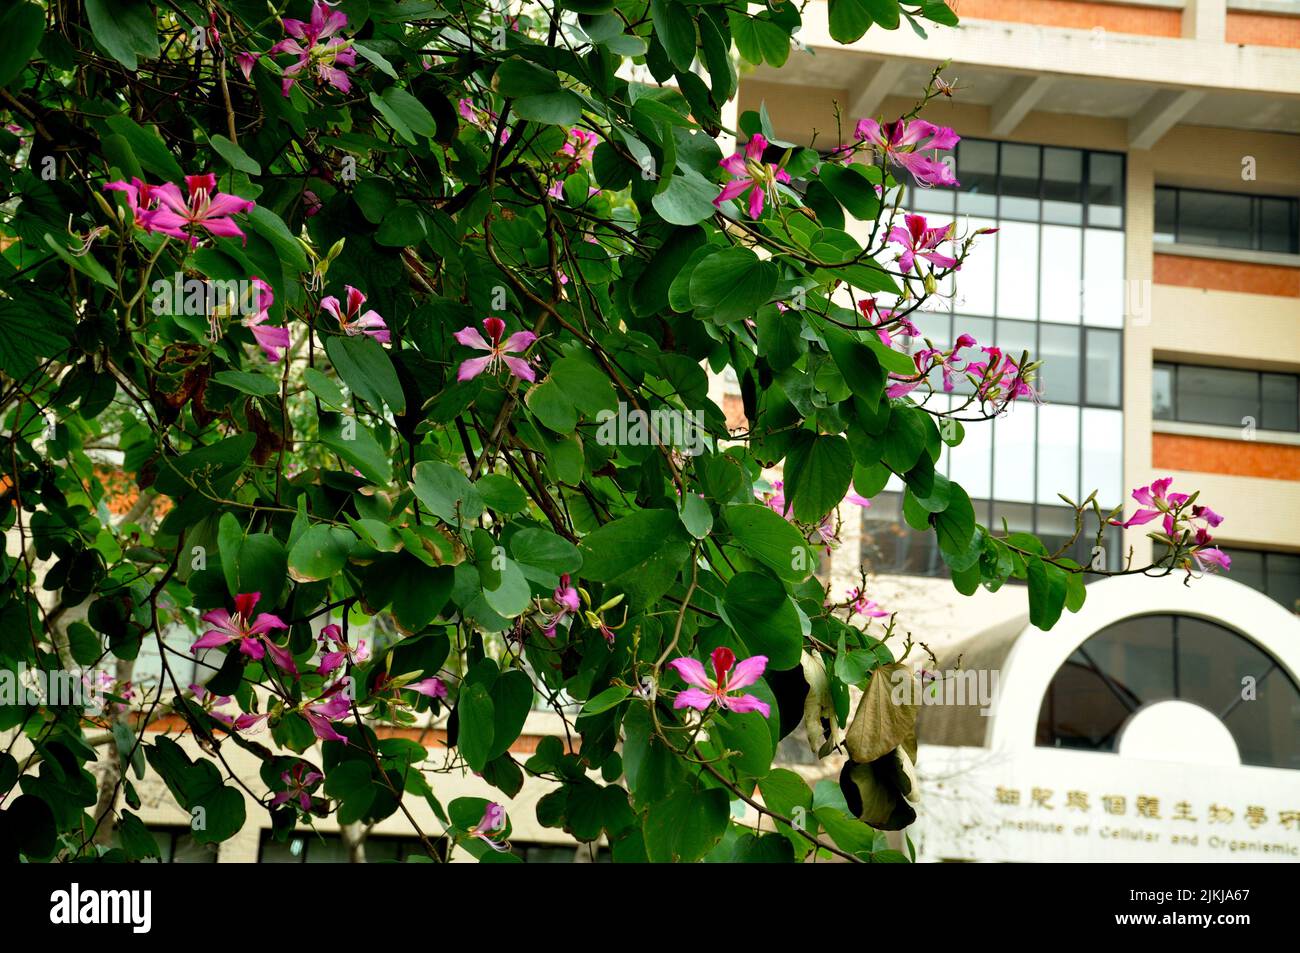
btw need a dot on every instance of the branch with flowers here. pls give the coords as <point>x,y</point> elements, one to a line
<point>398,321</point>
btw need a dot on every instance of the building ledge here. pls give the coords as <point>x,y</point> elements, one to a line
<point>1217,253</point>
<point>1216,432</point>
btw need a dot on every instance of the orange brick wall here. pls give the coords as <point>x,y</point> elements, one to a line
<point>1146,21</point>
<point>1260,29</point>
<point>1233,457</point>
<point>1190,272</point>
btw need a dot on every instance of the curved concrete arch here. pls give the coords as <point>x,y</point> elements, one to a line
<point>1037,655</point>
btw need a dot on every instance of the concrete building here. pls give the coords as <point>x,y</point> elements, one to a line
<point>1142,164</point>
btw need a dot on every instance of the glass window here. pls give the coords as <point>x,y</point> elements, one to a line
<point>1214,218</point>
<point>1147,659</point>
<point>1103,277</point>
<point>981,329</point>
<point>1162,395</point>
<point>1058,452</point>
<point>1283,574</point>
<point>1061,269</point>
<point>1248,569</point>
<point>1102,379</point>
<point>1216,395</point>
<point>1017,270</point>
<point>1280,402</point>
<point>1063,186</point>
<point>1103,455</point>
<point>1166,215</point>
<point>977,171</point>
<point>1228,219</point>
<point>1013,454</point>
<point>978,275</point>
<point>1226,397</point>
<point>1018,185</point>
<point>971,461</point>
<point>1277,224</point>
<point>1058,349</point>
<point>1105,189</point>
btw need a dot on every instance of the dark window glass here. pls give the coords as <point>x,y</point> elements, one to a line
<point>1216,395</point>
<point>1280,402</point>
<point>977,171</point>
<point>1162,392</point>
<point>1105,189</point>
<point>1224,396</point>
<point>1277,224</point>
<point>1152,658</point>
<point>1228,219</point>
<point>1063,186</point>
<point>1248,569</point>
<point>1103,368</point>
<point>1214,218</point>
<point>1018,185</point>
<point>1166,215</point>
<point>1283,573</point>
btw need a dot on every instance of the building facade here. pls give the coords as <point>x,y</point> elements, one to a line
<point>1142,165</point>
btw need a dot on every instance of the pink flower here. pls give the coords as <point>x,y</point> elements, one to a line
<point>728,677</point>
<point>581,145</point>
<point>566,604</point>
<point>162,208</point>
<point>273,341</point>
<point>494,820</point>
<point>331,706</point>
<point>901,325</point>
<point>318,49</point>
<point>297,780</point>
<point>860,604</point>
<point>1001,377</point>
<point>480,118</point>
<point>352,321</point>
<point>246,61</point>
<point>499,352</point>
<point>342,651</point>
<point>920,241</point>
<point>1155,499</point>
<point>901,142</point>
<point>751,174</point>
<point>432,687</point>
<point>250,632</point>
<point>1208,557</point>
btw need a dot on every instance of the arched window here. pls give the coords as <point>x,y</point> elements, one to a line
<point>1152,658</point>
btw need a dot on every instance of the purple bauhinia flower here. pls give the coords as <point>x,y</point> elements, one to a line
<point>750,174</point>
<point>162,208</point>
<point>352,320</point>
<point>728,677</point>
<point>317,48</point>
<point>499,352</point>
<point>901,143</point>
<point>486,830</point>
<point>249,631</point>
<point>298,780</point>
<point>330,706</point>
<point>567,603</point>
<point>272,340</point>
<point>341,651</point>
<point>920,241</point>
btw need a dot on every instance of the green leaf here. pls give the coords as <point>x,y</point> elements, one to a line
<point>606,700</point>
<point>512,700</point>
<point>22,26</point>
<point>353,441</point>
<point>955,529</point>
<point>771,540</point>
<point>732,284</point>
<point>1048,587</point>
<point>501,493</point>
<point>688,199</point>
<point>406,114</point>
<point>146,146</point>
<point>447,493</point>
<point>247,382</point>
<point>584,384</point>
<point>760,612</point>
<point>852,188</point>
<point>236,157</point>
<point>819,468</point>
<point>365,367</point>
<point>271,227</point>
<point>330,394</point>
<point>674,28</point>
<point>320,553</point>
<point>551,407</point>
<point>556,109</point>
<point>640,553</point>
<point>125,29</point>
<point>477,717</point>
<point>685,826</point>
